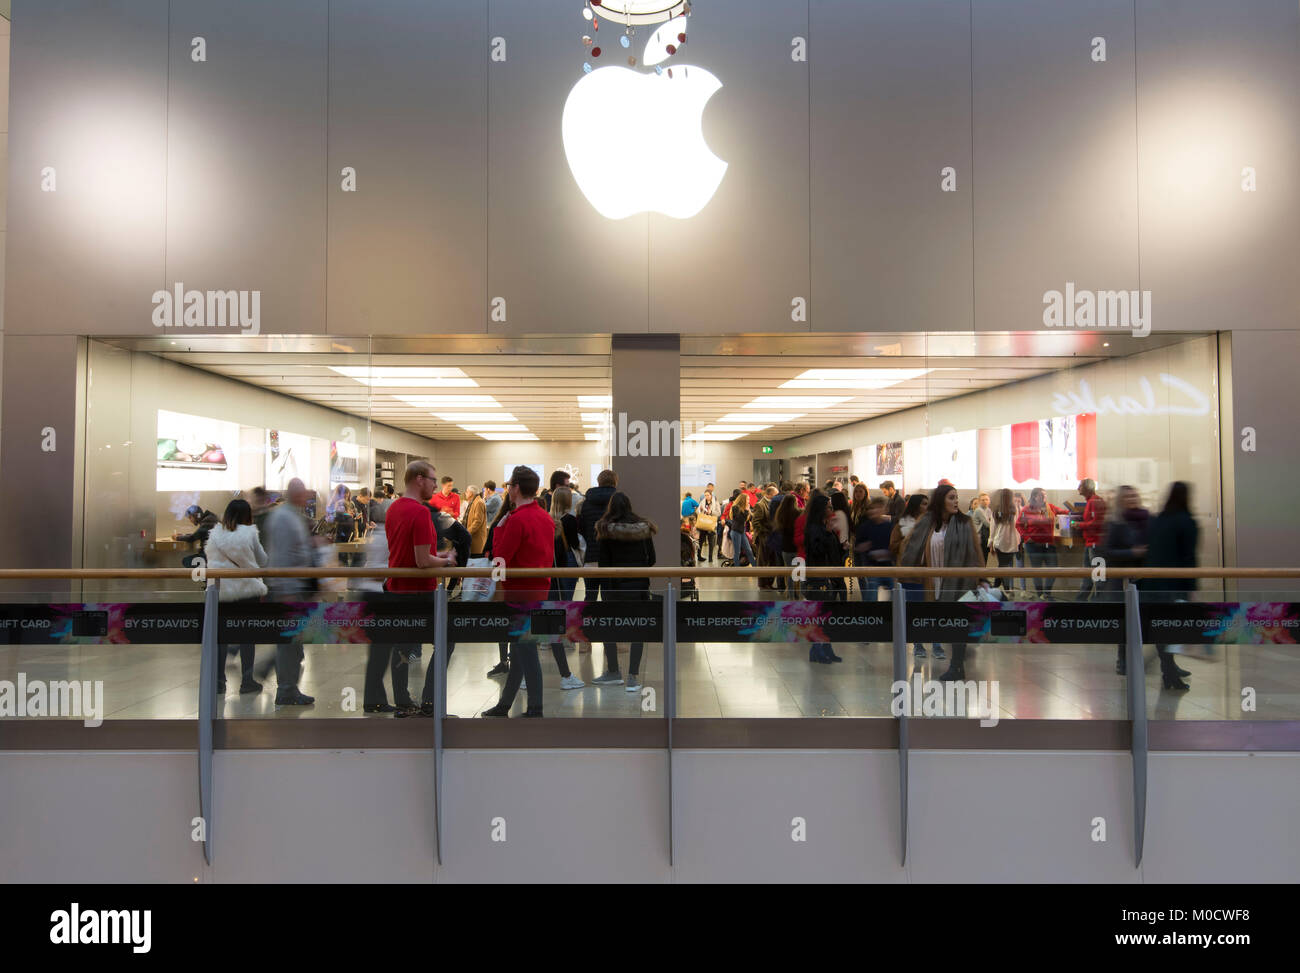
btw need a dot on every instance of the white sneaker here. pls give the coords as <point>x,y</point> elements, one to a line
<point>633,684</point>
<point>571,682</point>
<point>523,683</point>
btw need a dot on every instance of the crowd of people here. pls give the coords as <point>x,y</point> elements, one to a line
<point>843,524</point>
<point>431,524</point>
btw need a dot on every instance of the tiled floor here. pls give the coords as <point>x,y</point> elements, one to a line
<point>714,680</point>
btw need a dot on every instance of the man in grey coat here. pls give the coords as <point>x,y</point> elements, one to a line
<point>289,545</point>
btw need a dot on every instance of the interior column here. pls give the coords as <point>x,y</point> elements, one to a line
<point>645,435</point>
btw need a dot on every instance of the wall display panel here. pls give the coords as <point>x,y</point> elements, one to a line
<point>246,160</point>
<point>1055,157</point>
<point>555,264</point>
<point>407,183</point>
<point>196,453</point>
<point>288,455</point>
<point>87,166</point>
<point>537,468</point>
<point>951,456</point>
<point>1054,453</point>
<point>743,258</point>
<point>891,115</point>
<point>1218,92</point>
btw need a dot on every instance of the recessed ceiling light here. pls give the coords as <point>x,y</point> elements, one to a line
<point>715,437</point>
<point>494,428</point>
<point>853,378</point>
<point>406,378</point>
<point>761,416</point>
<point>796,401</point>
<point>592,437</point>
<point>601,417</point>
<point>727,427</point>
<point>595,401</point>
<point>507,437</point>
<point>475,417</point>
<point>443,401</point>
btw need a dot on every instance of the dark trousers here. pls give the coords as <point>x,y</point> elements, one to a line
<point>523,665</point>
<point>1006,559</point>
<point>246,652</point>
<point>397,660</point>
<point>708,539</point>
<point>1041,556</point>
<point>625,591</point>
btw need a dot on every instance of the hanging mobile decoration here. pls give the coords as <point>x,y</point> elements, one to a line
<point>634,12</point>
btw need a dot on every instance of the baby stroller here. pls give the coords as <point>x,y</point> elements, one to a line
<point>690,558</point>
<point>727,552</point>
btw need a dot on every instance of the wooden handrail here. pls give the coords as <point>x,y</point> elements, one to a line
<point>97,574</point>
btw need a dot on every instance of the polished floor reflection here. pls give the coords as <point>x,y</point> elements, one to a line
<point>714,680</point>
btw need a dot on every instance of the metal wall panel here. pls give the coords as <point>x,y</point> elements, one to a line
<point>407,113</point>
<point>1218,88</point>
<point>557,265</point>
<point>891,104</point>
<point>744,258</point>
<point>89,87</point>
<point>246,157</point>
<point>1055,155</point>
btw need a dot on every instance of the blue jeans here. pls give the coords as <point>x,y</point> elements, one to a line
<point>740,545</point>
<point>1041,556</point>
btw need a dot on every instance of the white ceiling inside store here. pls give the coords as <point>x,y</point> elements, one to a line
<point>536,383</point>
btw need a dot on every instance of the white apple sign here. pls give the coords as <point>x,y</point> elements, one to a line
<point>635,142</point>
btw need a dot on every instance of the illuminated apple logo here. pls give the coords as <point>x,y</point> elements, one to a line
<point>635,142</point>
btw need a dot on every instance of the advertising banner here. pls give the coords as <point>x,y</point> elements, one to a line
<point>157,623</point>
<point>784,621</point>
<point>577,621</point>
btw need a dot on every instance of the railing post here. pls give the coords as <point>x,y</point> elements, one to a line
<point>670,704</point>
<point>1137,711</point>
<point>210,658</point>
<point>439,706</point>
<point>900,675</point>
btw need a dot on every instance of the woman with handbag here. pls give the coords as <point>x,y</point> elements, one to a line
<point>945,537</point>
<point>566,556</point>
<point>234,543</point>
<point>706,523</point>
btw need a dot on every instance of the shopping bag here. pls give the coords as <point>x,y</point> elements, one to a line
<point>705,521</point>
<point>478,589</point>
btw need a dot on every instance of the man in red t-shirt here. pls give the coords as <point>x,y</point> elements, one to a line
<point>525,539</point>
<point>444,499</point>
<point>411,544</point>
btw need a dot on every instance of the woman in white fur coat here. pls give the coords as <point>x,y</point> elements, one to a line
<point>234,544</point>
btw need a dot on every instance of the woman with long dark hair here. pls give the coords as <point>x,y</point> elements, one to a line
<point>945,537</point>
<point>567,554</point>
<point>502,668</point>
<point>783,524</point>
<point>822,550</point>
<point>234,543</point>
<point>1172,539</point>
<point>626,540</point>
<point>915,507</point>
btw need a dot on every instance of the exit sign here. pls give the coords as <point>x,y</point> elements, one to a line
<point>767,449</point>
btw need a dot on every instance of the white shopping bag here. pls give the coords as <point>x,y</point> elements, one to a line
<point>478,589</point>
